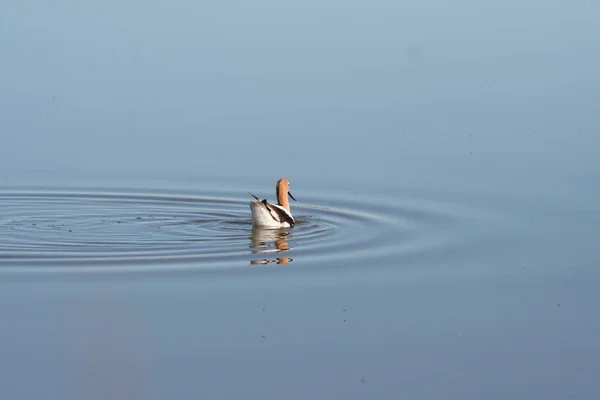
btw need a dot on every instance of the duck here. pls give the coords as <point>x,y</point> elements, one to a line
<point>269,215</point>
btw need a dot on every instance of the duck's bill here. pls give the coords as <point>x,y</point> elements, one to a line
<point>289,194</point>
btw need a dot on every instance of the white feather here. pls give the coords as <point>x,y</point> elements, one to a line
<point>265,218</point>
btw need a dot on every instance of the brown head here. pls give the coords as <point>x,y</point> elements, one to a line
<point>283,191</point>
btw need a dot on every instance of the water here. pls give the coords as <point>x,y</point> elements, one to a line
<point>446,173</point>
<point>208,231</point>
<point>48,230</point>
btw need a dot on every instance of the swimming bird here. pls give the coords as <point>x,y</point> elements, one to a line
<point>269,215</point>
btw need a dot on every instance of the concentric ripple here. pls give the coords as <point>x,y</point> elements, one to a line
<point>41,229</point>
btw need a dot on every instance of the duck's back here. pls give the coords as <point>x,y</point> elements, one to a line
<point>272,217</point>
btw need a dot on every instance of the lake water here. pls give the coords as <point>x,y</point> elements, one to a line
<point>445,162</point>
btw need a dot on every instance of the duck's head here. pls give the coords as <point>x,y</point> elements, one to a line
<point>283,187</point>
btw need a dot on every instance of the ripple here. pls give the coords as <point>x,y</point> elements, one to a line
<point>45,229</point>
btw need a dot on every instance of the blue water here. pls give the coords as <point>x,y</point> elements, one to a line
<point>444,158</point>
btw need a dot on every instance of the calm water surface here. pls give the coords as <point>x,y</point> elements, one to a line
<point>46,229</point>
<point>445,165</point>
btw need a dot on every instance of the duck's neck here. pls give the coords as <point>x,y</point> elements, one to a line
<point>282,199</point>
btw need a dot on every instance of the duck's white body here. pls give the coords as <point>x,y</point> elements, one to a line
<point>269,215</point>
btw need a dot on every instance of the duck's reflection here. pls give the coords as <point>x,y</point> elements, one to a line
<point>263,241</point>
